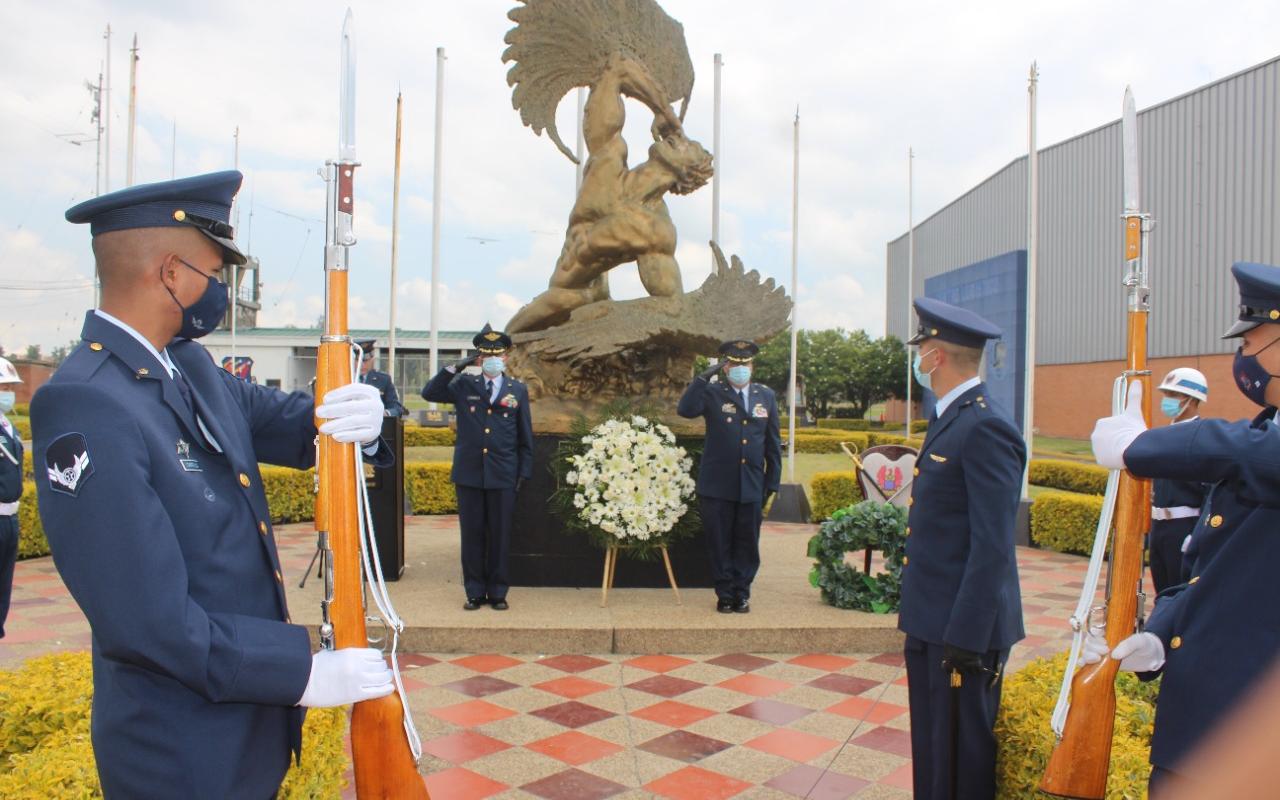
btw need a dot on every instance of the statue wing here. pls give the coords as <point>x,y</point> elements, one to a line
<point>559,45</point>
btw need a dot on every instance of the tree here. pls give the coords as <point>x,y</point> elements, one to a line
<point>33,352</point>
<point>61,352</point>
<point>823,359</point>
<point>878,373</point>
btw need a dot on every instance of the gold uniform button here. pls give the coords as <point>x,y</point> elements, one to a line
<point>95,346</point>
<point>915,471</point>
<point>1175,642</point>
<point>744,461</point>
<point>490,411</point>
<point>744,441</point>
<point>262,528</point>
<point>485,450</point>
<point>911,501</point>
<point>904,561</point>
<point>908,532</point>
<point>486,430</point>
<point>1275,313</point>
<point>1215,521</point>
<point>244,480</point>
<point>1193,580</point>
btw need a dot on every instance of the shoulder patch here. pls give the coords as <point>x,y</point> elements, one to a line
<point>67,463</point>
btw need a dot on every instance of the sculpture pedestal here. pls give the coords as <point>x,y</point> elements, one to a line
<point>543,553</point>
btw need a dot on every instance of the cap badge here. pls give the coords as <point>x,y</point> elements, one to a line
<point>492,336</point>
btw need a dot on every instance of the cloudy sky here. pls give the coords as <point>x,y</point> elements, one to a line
<point>870,80</point>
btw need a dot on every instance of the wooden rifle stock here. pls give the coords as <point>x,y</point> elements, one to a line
<point>384,765</point>
<point>1080,761</point>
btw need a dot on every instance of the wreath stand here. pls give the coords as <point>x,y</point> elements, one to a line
<point>611,566</point>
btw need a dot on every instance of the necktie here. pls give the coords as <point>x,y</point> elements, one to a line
<point>488,390</point>
<point>185,390</point>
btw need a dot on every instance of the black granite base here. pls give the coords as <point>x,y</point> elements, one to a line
<point>543,553</point>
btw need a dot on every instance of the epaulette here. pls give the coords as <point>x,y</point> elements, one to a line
<point>82,363</point>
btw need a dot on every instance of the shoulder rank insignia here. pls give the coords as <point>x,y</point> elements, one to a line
<point>938,458</point>
<point>67,463</point>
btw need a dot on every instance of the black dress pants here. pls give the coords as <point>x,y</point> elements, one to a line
<point>1165,548</point>
<point>733,541</point>
<point>485,518</point>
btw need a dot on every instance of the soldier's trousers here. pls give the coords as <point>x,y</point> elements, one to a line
<point>933,737</point>
<point>8,556</point>
<point>1165,548</point>
<point>485,518</point>
<point>733,541</point>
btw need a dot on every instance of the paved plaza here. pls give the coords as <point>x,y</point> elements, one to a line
<point>582,724</point>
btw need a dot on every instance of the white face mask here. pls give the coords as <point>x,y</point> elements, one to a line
<point>493,366</point>
<point>6,402</point>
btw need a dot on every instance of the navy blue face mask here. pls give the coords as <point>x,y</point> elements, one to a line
<point>204,314</point>
<point>1251,377</point>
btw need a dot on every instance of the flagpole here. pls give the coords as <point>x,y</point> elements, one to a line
<point>911,265</point>
<point>795,300</point>
<point>235,277</point>
<point>1033,233</point>
<point>715,164</point>
<point>435,215</point>
<point>106,161</point>
<point>395,245</point>
<point>133,110</point>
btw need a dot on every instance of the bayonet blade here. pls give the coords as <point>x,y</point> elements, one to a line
<point>1129,145</point>
<point>347,92</point>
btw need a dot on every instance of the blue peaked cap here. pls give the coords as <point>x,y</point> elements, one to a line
<point>1259,296</point>
<point>939,320</point>
<point>202,202</point>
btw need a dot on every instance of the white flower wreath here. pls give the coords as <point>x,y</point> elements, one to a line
<point>632,481</point>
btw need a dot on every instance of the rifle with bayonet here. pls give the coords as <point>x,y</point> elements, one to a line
<point>381,734</point>
<point>1082,755</point>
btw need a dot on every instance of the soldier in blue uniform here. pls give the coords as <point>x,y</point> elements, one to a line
<point>146,455</point>
<point>740,470</point>
<point>10,486</point>
<point>1216,634</point>
<point>378,379</point>
<point>961,607</point>
<point>492,458</point>
<point>1175,505</point>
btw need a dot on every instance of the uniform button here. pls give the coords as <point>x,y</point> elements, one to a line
<point>908,531</point>
<point>279,577</point>
<point>486,430</point>
<point>490,411</point>
<point>486,450</point>
<point>904,561</point>
<point>744,422</point>
<point>244,480</point>
<point>1215,521</point>
<point>744,441</point>
<point>95,346</point>
<point>262,528</point>
<point>1193,580</point>
<point>744,461</point>
<point>911,501</point>
<point>1175,642</point>
<point>915,471</point>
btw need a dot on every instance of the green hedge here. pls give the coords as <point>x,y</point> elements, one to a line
<point>21,424</point>
<point>22,409</point>
<point>290,498</point>
<point>46,752</point>
<point>429,437</point>
<point>1069,476</point>
<point>919,425</point>
<point>831,491</point>
<point>1024,739</point>
<point>1065,522</point>
<point>846,424</point>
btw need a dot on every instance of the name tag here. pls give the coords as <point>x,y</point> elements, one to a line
<point>939,459</point>
<point>190,465</point>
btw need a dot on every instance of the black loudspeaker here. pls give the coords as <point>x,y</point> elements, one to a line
<point>386,502</point>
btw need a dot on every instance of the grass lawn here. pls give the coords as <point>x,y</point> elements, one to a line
<point>1056,447</point>
<point>429,454</point>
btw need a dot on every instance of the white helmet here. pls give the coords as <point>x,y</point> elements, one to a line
<point>7,372</point>
<point>1188,381</point>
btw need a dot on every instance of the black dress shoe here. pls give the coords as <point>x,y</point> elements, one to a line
<point>724,606</point>
<point>741,606</point>
<point>473,603</point>
<point>500,604</point>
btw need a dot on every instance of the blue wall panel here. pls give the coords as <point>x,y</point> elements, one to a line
<point>996,289</point>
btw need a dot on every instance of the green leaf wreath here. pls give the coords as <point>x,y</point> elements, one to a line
<point>879,526</point>
<point>571,502</point>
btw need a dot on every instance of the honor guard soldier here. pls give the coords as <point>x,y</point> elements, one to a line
<point>1214,635</point>
<point>740,470</point>
<point>146,456</point>
<point>961,609</point>
<point>492,458</point>
<point>378,379</point>
<point>1175,505</point>
<point>10,486</point>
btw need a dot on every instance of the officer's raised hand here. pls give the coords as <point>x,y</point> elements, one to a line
<point>1113,435</point>
<point>354,412</point>
<point>710,372</point>
<point>349,675</point>
<point>464,362</point>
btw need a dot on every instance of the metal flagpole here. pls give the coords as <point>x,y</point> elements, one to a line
<point>795,302</point>
<point>911,266</point>
<point>106,166</point>
<point>133,110</point>
<point>715,164</point>
<point>395,244</point>
<point>235,269</point>
<point>435,216</point>
<point>582,111</point>
<point>173,151</point>
<point>1033,212</point>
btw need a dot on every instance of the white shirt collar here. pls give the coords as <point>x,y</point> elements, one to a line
<point>127,328</point>
<point>950,397</point>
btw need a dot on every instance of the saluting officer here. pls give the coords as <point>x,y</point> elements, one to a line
<point>1215,635</point>
<point>492,458</point>
<point>1175,505</point>
<point>961,608</point>
<point>10,487</point>
<point>378,379</point>
<point>147,476</point>
<point>740,470</point>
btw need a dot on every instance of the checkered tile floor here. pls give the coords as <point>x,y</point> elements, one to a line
<point>595,726</point>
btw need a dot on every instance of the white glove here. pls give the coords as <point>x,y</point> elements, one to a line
<point>349,675</point>
<point>1113,435</point>
<point>354,412</point>
<point>1141,652</point>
